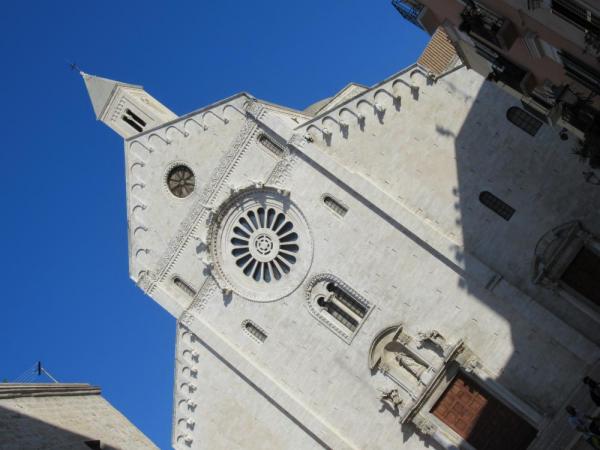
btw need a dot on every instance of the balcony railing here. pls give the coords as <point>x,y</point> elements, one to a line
<point>410,10</point>
<point>580,16</point>
<point>481,23</point>
<point>509,74</point>
<point>581,72</point>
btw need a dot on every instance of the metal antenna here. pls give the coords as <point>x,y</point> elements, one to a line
<point>73,66</point>
<point>42,370</point>
<point>31,374</point>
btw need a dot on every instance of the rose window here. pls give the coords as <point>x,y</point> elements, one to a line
<point>260,244</point>
<point>264,244</point>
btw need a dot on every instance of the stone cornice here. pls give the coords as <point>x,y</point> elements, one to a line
<point>17,390</point>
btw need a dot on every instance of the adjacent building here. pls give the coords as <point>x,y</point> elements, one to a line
<point>397,266</point>
<point>63,416</point>
<point>546,53</point>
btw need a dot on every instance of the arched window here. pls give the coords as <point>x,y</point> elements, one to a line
<point>186,288</point>
<point>335,205</point>
<point>270,145</point>
<point>134,121</point>
<point>337,305</point>
<point>501,208</point>
<point>254,331</point>
<point>523,120</point>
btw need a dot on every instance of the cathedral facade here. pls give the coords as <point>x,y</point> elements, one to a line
<point>397,266</point>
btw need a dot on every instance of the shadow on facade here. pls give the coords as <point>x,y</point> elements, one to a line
<point>542,180</point>
<point>21,431</point>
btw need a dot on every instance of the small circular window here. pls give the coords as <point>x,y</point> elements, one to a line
<point>181,181</point>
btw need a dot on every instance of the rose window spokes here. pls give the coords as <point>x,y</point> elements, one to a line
<point>264,244</point>
<point>181,181</point>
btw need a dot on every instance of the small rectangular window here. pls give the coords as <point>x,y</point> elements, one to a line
<point>501,208</point>
<point>335,205</point>
<point>186,288</point>
<point>270,145</point>
<point>254,331</point>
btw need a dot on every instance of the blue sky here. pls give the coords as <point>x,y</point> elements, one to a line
<point>66,296</point>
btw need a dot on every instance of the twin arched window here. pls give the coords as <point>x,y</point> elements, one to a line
<point>338,306</point>
<point>133,120</point>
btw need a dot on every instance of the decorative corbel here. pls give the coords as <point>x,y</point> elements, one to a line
<point>424,425</point>
<point>324,131</point>
<point>360,117</point>
<point>222,119</point>
<point>149,148</point>
<point>183,133</point>
<point>436,339</point>
<point>341,123</point>
<point>191,119</point>
<point>297,141</point>
<point>137,163</point>
<point>166,141</point>
<point>468,361</point>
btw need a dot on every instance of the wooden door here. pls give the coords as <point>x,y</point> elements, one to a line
<point>480,419</point>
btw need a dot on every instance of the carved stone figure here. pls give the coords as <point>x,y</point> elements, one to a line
<point>391,398</point>
<point>410,364</point>
<point>435,338</point>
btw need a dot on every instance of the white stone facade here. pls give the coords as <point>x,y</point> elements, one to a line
<point>63,416</point>
<point>382,188</point>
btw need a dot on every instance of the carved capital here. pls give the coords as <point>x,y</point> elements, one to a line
<point>146,281</point>
<point>297,141</point>
<point>424,425</point>
<point>253,108</point>
<point>186,318</point>
<point>468,361</point>
<point>435,338</point>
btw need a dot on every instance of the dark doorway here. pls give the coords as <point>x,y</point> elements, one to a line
<point>480,419</point>
<point>583,275</point>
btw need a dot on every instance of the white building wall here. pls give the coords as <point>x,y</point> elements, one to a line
<point>416,243</point>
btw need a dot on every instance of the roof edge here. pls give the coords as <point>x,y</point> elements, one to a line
<point>16,390</point>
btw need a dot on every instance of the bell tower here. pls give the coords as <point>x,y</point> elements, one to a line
<point>126,108</point>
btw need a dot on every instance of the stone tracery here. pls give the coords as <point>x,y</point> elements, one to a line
<point>260,244</point>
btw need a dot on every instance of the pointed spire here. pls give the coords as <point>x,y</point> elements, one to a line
<point>101,91</point>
